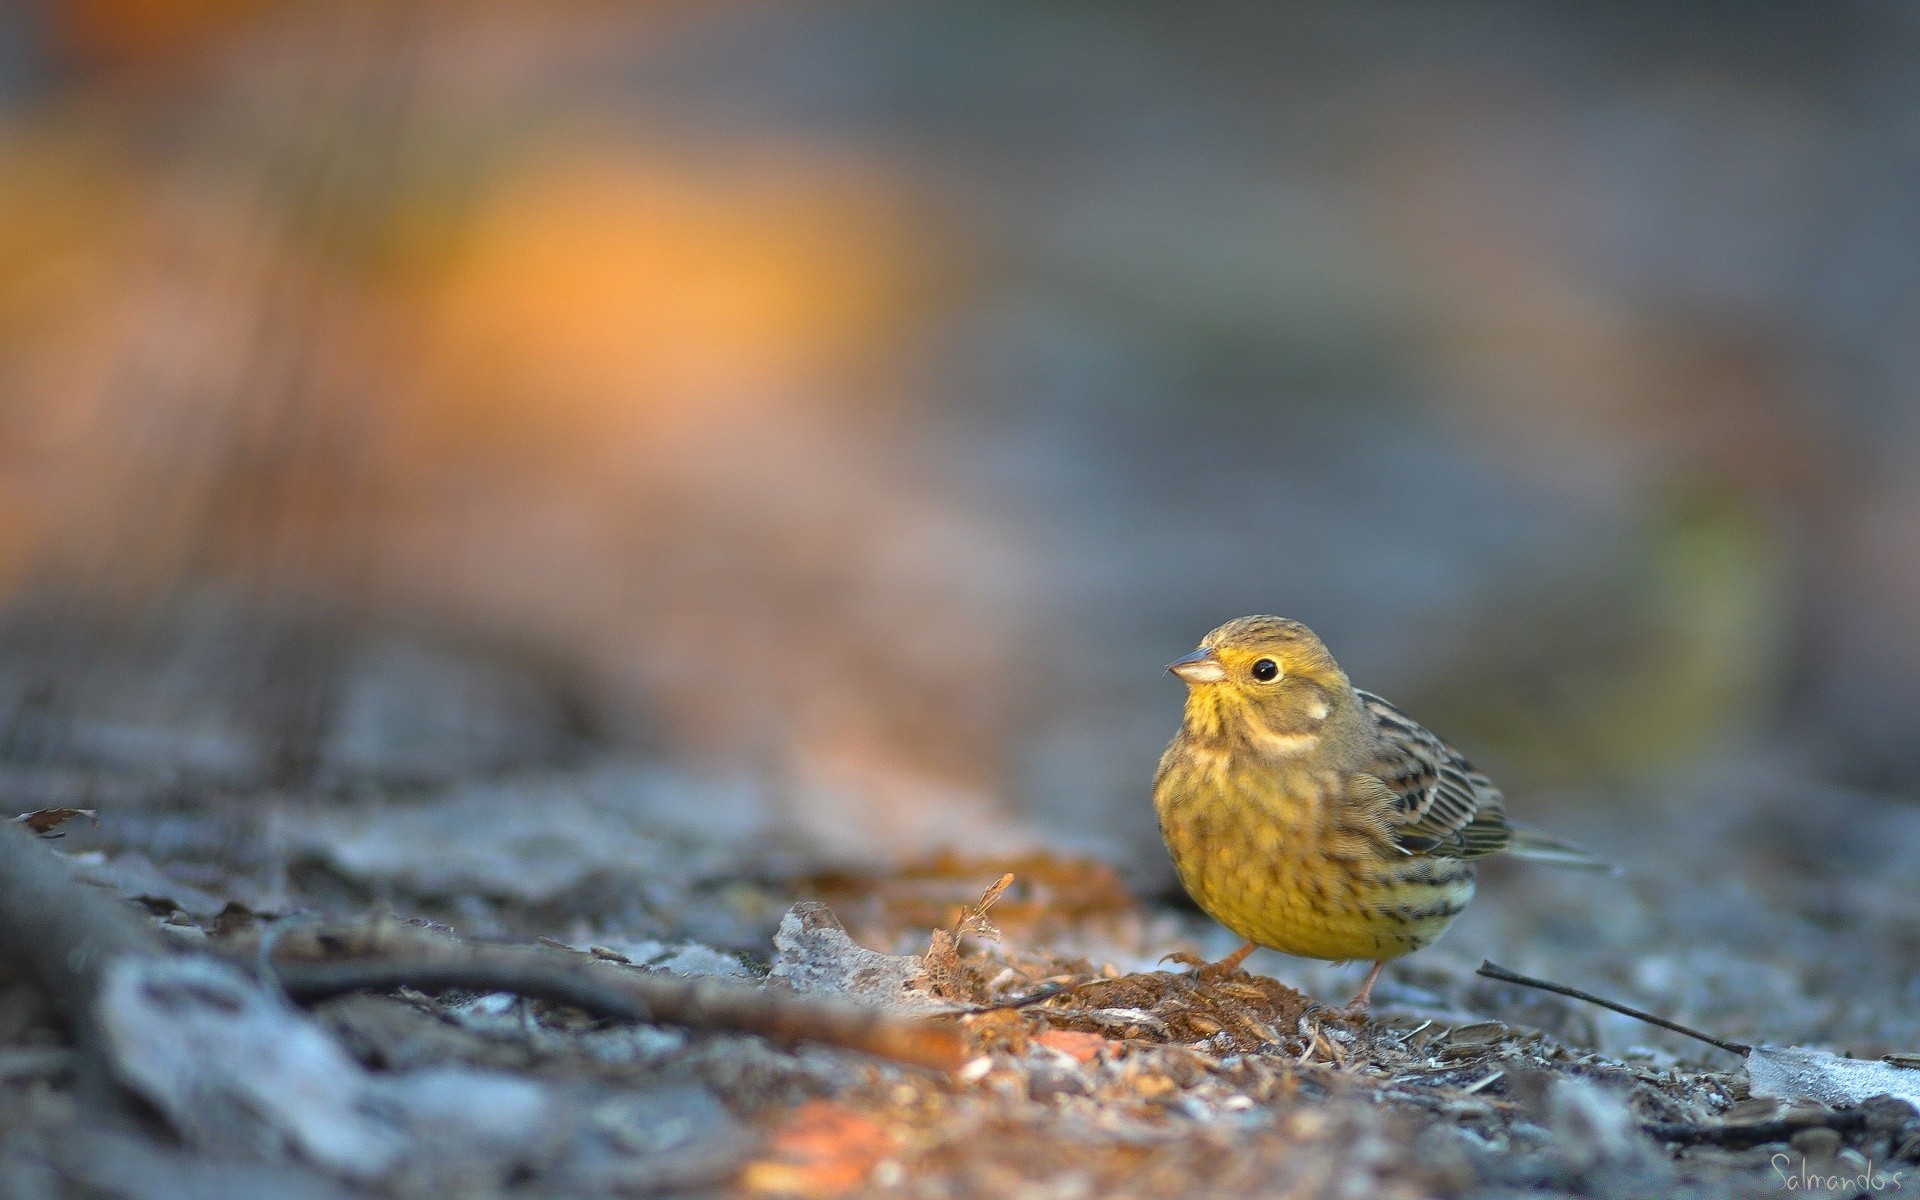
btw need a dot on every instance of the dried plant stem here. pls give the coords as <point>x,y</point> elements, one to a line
<point>1759,1133</point>
<point>382,956</point>
<point>60,933</point>
<point>1492,971</point>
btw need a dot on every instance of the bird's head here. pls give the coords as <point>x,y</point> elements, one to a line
<point>1266,681</point>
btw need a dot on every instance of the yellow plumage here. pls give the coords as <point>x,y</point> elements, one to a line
<point>1315,819</point>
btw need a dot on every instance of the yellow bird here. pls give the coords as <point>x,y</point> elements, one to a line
<point>1316,819</point>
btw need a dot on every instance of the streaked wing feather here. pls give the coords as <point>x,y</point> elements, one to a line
<point>1439,804</point>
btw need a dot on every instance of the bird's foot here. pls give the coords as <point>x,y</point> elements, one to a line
<point>1356,1008</point>
<point>1211,972</point>
<point>1354,1011</point>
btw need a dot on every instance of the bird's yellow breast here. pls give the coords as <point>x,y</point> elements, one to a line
<point>1281,855</point>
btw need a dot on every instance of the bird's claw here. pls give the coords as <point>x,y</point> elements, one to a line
<point>1205,971</point>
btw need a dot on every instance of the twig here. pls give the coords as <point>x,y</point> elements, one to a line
<point>1759,1133</point>
<point>1471,1088</point>
<point>387,955</point>
<point>1491,971</point>
<point>1039,997</point>
<point>60,934</point>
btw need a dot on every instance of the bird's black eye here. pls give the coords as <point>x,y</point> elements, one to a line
<point>1265,669</point>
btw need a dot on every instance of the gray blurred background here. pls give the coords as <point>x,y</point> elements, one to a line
<point>860,403</point>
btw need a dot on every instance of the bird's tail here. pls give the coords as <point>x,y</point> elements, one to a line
<point>1526,842</point>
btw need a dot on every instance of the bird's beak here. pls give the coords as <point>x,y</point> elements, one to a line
<point>1199,667</point>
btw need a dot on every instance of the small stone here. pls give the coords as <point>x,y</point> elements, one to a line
<point>1818,1142</point>
<point>1887,1113</point>
<point>1756,1111</point>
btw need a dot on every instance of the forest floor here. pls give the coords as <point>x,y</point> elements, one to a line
<point>1082,1063</point>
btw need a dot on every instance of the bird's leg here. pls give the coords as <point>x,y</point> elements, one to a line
<point>1355,1009</point>
<point>1225,966</point>
<point>1207,972</point>
<point>1230,963</point>
<point>1358,1004</point>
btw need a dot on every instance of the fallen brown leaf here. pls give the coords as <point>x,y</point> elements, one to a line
<point>45,820</point>
<point>1079,1046</point>
<point>825,1149</point>
<point>1055,891</point>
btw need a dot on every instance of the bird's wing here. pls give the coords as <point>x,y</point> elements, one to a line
<point>1435,802</point>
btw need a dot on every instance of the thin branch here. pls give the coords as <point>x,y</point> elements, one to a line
<point>1758,1133</point>
<point>1491,971</point>
<point>59,933</point>
<point>1028,1001</point>
<point>384,956</point>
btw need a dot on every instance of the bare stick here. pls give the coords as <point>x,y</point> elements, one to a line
<point>1492,971</point>
<point>1039,997</point>
<point>1741,1137</point>
<point>59,933</point>
<point>386,955</point>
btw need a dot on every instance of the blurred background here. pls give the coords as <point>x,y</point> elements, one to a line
<point>847,409</point>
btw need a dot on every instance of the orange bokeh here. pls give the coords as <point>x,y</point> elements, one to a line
<point>602,291</point>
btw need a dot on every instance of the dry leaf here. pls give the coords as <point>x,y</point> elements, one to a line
<point>1798,1073</point>
<point>135,876</point>
<point>813,953</point>
<point>45,820</point>
<point>1075,1044</point>
<point>825,1150</point>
